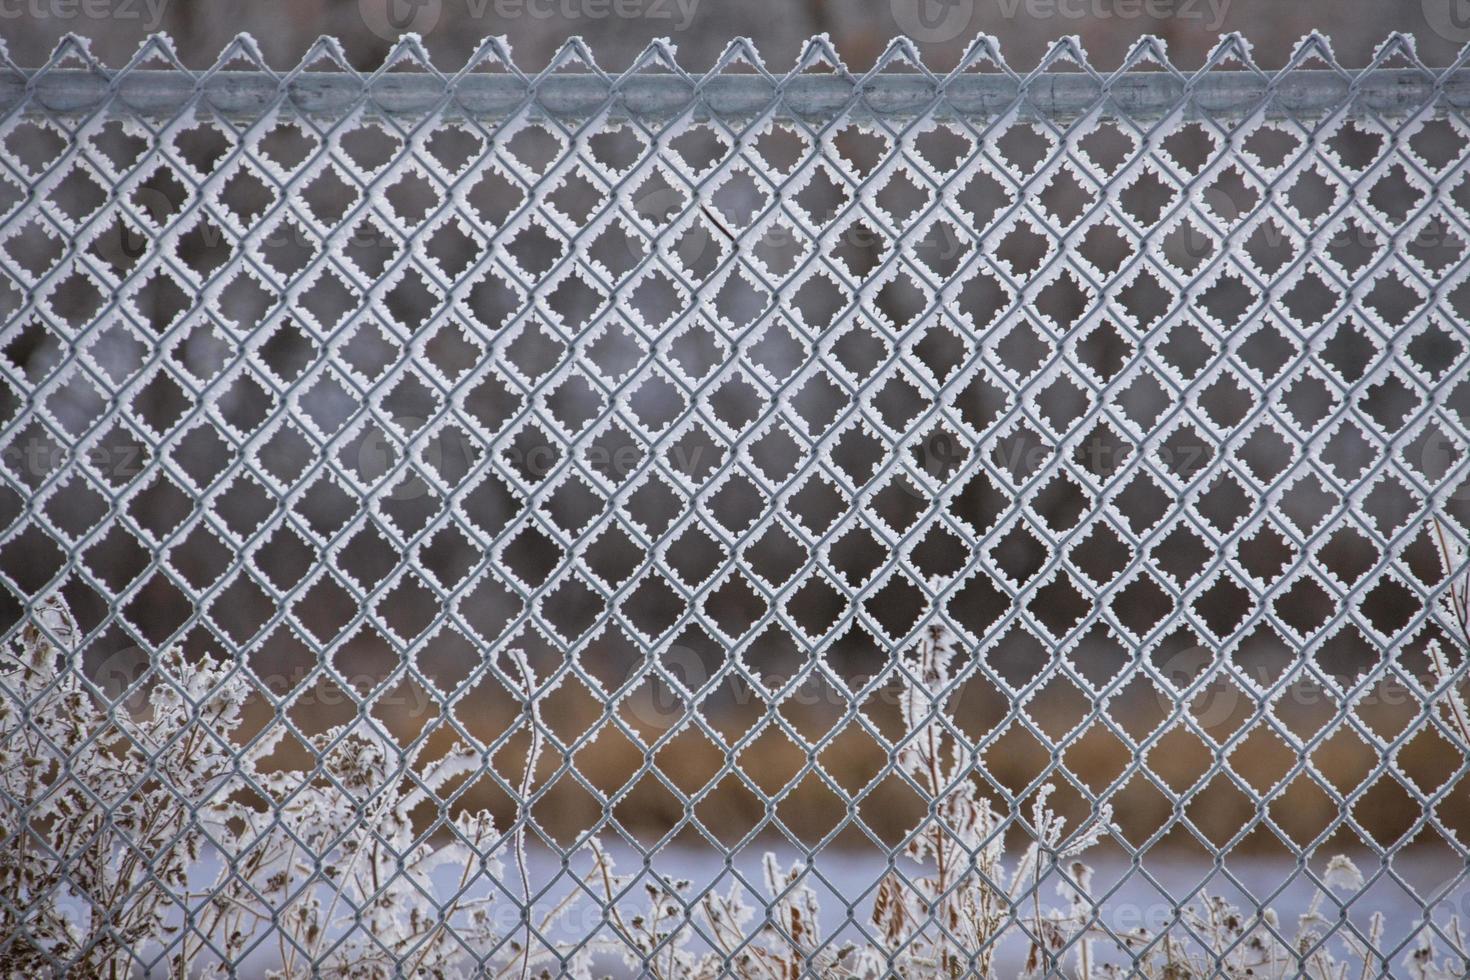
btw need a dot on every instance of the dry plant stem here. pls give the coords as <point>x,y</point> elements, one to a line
<point>602,869</point>
<point>928,665</point>
<point>1453,704</point>
<point>1459,596</point>
<point>464,877</point>
<point>351,868</point>
<point>533,756</point>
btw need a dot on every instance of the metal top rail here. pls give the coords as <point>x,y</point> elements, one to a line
<point>1060,95</point>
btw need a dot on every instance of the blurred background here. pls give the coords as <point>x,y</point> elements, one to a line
<point>702,28</point>
<point>1056,689</point>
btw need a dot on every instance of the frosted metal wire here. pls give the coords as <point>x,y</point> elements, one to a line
<point>949,393</point>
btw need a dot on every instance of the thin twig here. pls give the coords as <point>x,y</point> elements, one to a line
<point>533,754</point>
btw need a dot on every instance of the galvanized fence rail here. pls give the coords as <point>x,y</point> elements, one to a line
<point>627,428</point>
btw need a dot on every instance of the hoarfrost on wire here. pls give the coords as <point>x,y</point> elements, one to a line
<point>109,806</point>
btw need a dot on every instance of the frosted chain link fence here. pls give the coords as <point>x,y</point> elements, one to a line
<point>592,447</point>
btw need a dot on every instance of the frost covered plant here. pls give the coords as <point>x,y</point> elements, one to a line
<point>97,827</point>
<point>945,923</point>
<point>1214,939</point>
<point>953,920</point>
<point>106,812</point>
<point>656,942</point>
<point>326,872</point>
<point>340,846</point>
<point>948,923</point>
<point>1457,601</point>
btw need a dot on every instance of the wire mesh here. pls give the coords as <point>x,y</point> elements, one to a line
<point>621,430</point>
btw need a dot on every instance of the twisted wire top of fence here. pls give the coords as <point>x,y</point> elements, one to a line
<point>1063,86</point>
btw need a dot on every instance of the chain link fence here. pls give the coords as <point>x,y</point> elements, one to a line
<point>464,522</point>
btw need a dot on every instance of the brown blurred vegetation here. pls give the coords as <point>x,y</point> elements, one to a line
<point>824,765</point>
<point>285,28</point>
